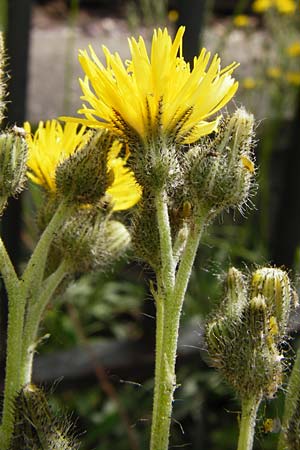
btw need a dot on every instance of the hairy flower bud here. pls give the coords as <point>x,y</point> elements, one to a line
<point>83,177</point>
<point>219,171</point>
<point>89,240</point>
<point>274,285</point>
<point>13,157</point>
<point>36,425</point>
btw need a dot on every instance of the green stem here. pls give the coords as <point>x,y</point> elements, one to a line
<point>16,309</point>
<point>247,424</point>
<point>33,320</point>
<point>7,270</point>
<point>167,263</point>
<point>290,404</point>
<point>34,272</point>
<point>165,379</point>
<point>21,293</point>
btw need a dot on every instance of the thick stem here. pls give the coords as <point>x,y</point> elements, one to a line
<point>165,379</point>
<point>247,424</point>
<point>291,401</point>
<point>33,320</point>
<point>7,270</point>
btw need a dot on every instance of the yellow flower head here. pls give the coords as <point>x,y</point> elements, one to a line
<point>52,144</point>
<point>156,95</point>
<point>282,6</point>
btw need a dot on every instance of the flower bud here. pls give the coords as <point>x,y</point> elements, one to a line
<point>244,339</point>
<point>274,285</point>
<point>155,165</point>
<point>89,240</point>
<point>236,295</point>
<point>13,157</point>
<point>219,171</point>
<point>36,426</point>
<point>145,233</point>
<point>83,177</point>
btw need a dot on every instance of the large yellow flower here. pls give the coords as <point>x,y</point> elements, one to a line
<point>51,144</point>
<point>156,95</point>
<point>283,6</point>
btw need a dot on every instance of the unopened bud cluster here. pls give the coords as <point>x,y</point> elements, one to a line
<point>13,157</point>
<point>219,170</point>
<point>245,335</point>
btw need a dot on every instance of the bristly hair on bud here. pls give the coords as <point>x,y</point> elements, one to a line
<point>84,176</point>
<point>220,170</point>
<point>37,427</point>
<point>90,240</point>
<point>13,158</point>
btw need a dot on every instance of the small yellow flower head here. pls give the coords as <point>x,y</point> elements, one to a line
<point>293,50</point>
<point>157,96</point>
<point>67,161</point>
<point>274,72</point>
<point>241,20</point>
<point>282,6</point>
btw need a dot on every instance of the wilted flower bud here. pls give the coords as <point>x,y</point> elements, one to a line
<point>219,171</point>
<point>91,241</point>
<point>274,285</point>
<point>13,157</point>
<point>84,177</point>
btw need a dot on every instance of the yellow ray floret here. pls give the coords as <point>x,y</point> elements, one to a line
<point>52,143</point>
<point>155,94</point>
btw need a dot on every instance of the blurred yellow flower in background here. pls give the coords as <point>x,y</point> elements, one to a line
<point>282,6</point>
<point>274,72</point>
<point>173,15</point>
<point>241,20</point>
<point>293,77</point>
<point>249,83</point>
<point>156,96</point>
<point>52,143</point>
<point>293,49</point>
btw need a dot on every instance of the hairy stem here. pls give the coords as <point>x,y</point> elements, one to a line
<point>168,320</point>
<point>33,320</point>
<point>291,401</point>
<point>247,424</point>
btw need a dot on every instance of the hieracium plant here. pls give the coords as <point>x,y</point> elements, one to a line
<point>151,136</point>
